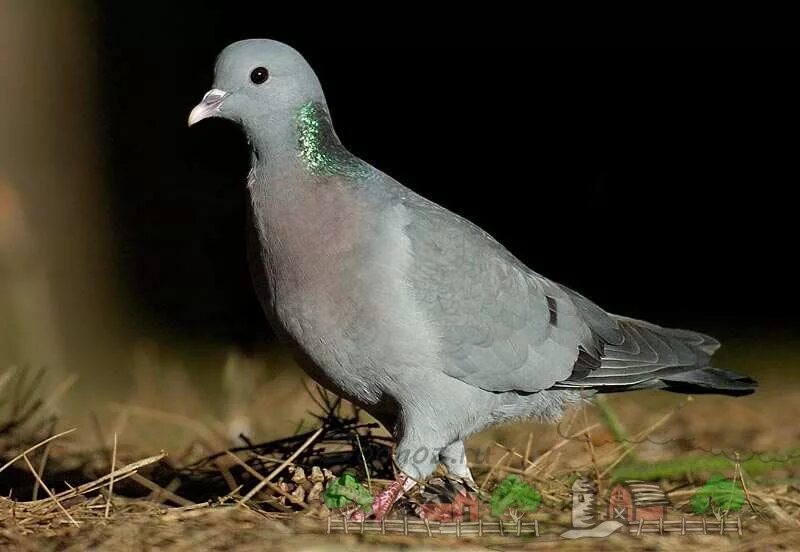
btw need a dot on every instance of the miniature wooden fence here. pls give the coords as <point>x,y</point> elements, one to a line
<point>685,526</point>
<point>405,526</point>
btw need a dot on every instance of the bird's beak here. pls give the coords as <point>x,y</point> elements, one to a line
<point>208,106</point>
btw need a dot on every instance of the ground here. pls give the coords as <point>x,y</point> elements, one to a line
<point>159,503</point>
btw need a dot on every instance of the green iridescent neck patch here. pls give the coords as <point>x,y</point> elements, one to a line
<point>320,149</point>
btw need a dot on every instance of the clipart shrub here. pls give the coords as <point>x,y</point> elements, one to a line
<point>514,496</point>
<point>719,495</point>
<point>346,491</point>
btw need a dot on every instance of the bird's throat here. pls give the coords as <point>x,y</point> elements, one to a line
<point>319,148</point>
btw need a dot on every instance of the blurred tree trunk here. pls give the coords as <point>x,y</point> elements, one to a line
<point>58,301</point>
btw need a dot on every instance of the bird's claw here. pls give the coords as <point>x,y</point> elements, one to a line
<point>382,503</point>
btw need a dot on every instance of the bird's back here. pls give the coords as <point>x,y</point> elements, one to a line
<point>504,327</point>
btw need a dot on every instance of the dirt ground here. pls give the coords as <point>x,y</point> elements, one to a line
<point>669,439</point>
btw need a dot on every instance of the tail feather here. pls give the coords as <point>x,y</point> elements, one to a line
<point>710,380</point>
<point>651,357</point>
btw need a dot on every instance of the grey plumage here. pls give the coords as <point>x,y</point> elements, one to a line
<point>407,309</point>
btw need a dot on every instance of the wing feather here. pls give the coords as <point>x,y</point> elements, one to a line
<point>503,327</point>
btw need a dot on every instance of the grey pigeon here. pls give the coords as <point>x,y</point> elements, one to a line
<point>407,309</point>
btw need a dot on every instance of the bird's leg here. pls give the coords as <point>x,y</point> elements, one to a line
<point>454,457</point>
<point>385,499</point>
<point>419,443</point>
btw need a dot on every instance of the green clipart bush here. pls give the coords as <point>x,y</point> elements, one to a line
<point>347,490</point>
<point>514,496</point>
<point>719,495</point>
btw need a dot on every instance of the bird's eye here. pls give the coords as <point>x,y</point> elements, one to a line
<point>259,75</point>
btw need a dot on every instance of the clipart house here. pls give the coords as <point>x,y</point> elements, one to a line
<point>584,513</point>
<point>636,500</point>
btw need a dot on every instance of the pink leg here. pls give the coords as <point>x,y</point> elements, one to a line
<point>386,498</point>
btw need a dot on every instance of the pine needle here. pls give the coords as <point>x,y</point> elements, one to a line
<point>49,492</point>
<point>111,478</point>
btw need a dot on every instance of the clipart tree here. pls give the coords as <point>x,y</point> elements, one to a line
<point>346,491</point>
<point>719,495</point>
<point>514,496</point>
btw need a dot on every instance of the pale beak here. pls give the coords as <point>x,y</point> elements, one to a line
<point>208,106</point>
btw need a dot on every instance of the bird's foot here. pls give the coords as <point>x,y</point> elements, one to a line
<point>385,499</point>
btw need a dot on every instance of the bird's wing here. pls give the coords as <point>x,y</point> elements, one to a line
<point>502,326</point>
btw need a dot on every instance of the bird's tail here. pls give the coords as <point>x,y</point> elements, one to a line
<point>651,357</point>
<point>710,380</point>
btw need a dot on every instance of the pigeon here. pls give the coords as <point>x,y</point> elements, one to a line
<point>406,309</point>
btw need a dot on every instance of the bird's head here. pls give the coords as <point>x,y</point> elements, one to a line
<point>258,83</point>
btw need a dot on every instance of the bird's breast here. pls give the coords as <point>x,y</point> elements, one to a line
<point>310,238</point>
<point>336,266</point>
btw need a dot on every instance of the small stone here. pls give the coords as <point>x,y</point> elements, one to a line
<point>315,494</point>
<point>299,475</point>
<point>316,475</point>
<point>299,494</point>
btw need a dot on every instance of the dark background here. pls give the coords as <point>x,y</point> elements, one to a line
<point>659,183</point>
